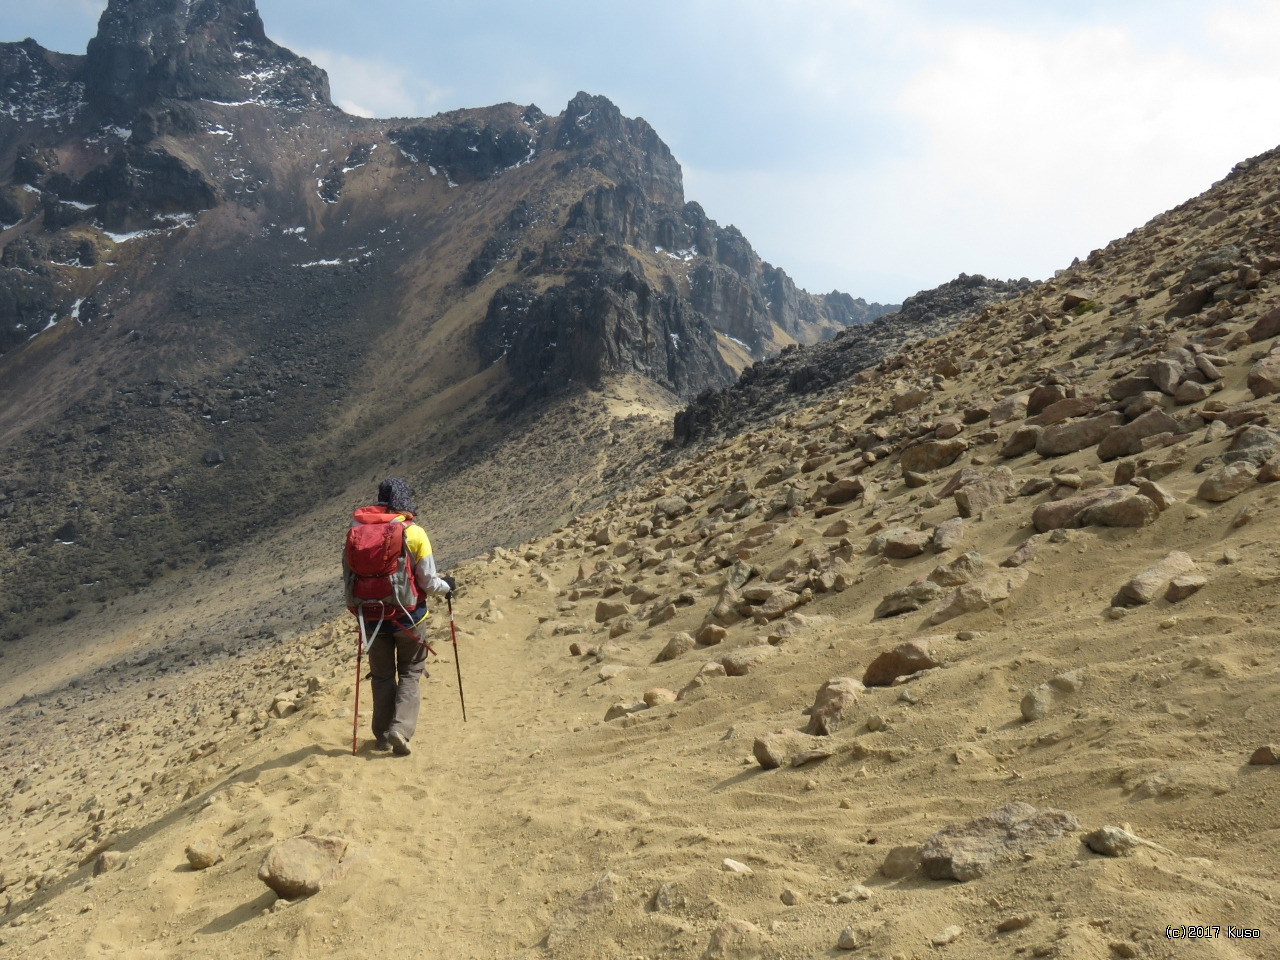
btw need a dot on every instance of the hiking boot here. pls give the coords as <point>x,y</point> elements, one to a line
<point>381,744</point>
<point>399,743</point>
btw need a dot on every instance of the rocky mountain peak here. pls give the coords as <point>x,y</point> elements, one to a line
<point>147,50</point>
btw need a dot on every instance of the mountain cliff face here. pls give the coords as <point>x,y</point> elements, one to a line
<point>218,289</point>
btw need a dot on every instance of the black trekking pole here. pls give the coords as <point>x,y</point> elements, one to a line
<point>355,720</point>
<point>454,630</point>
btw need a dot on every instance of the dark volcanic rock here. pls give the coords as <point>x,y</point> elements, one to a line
<point>139,184</point>
<point>149,50</point>
<point>467,148</point>
<point>36,83</point>
<point>607,325</point>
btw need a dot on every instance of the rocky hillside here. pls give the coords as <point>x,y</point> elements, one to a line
<point>973,657</point>
<point>218,289</point>
<point>800,373</point>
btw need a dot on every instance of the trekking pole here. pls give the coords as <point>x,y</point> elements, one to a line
<point>355,720</point>
<point>454,630</point>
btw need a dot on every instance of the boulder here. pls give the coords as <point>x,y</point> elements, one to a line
<point>1266,756</point>
<point>902,661</point>
<point>1157,494</point>
<point>1022,440</point>
<point>980,594</point>
<point>624,708</point>
<point>777,605</point>
<point>783,747</point>
<point>1268,473</point>
<point>302,866</point>
<point>840,528</point>
<point>1063,410</point>
<point>966,568</point>
<point>606,610</point>
<point>1058,514</point>
<point>711,634</point>
<point>1166,375</point>
<point>1073,435</point>
<point>1228,482</point>
<point>932,455</point>
<point>902,543</point>
<point>1111,842</point>
<point>659,696</point>
<point>1190,391</point>
<point>1043,397</point>
<point>948,535</point>
<point>1266,327</point>
<point>908,598</point>
<point>1009,409</point>
<point>1185,585</point>
<point>948,427</point>
<point>1121,440</point>
<point>989,490</point>
<point>843,491</point>
<point>203,854</point>
<point>1264,376</point>
<point>1151,583</point>
<point>909,399</point>
<point>1128,387</point>
<point>901,862</point>
<point>1208,368</point>
<point>1039,702</point>
<point>1130,510</point>
<point>677,646</point>
<point>970,850</point>
<point>1027,552</point>
<point>1254,443</point>
<point>735,940</point>
<point>671,507</point>
<point>835,698</point>
<point>742,661</point>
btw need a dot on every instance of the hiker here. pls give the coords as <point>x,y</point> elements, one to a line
<point>393,606</point>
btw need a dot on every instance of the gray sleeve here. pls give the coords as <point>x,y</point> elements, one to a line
<point>424,572</point>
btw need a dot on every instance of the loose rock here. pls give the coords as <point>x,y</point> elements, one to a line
<point>782,747</point>
<point>203,854</point>
<point>1152,582</point>
<point>302,866</point>
<point>903,660</point>
<point>1228,482</point>
<point>834,699</point>
<point>1184,586</point>
<point>901,862</point>
<point>677,646</point>
<point>1266,756</point>
<point>969,850</point>
<point>1111,842</point>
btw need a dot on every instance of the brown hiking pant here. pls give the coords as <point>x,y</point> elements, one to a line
<point>396,664</point>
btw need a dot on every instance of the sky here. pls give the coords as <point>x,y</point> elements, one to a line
<point>878,147</point>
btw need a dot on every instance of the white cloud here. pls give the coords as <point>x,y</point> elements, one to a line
<point>376,88</point>
<point>1017,150</point>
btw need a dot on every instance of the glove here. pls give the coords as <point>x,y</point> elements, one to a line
<point>452,584</point>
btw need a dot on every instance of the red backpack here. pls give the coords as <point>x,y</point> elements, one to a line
<point>377,566</point>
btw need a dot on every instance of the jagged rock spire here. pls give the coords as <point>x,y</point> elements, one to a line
<point>147,50</point>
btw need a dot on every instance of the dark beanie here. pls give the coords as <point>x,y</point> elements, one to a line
<point>394,494</point>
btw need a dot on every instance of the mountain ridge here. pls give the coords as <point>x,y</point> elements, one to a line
<point>217,288</point>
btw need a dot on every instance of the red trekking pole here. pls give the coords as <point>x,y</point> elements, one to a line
<point>454,630</point>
